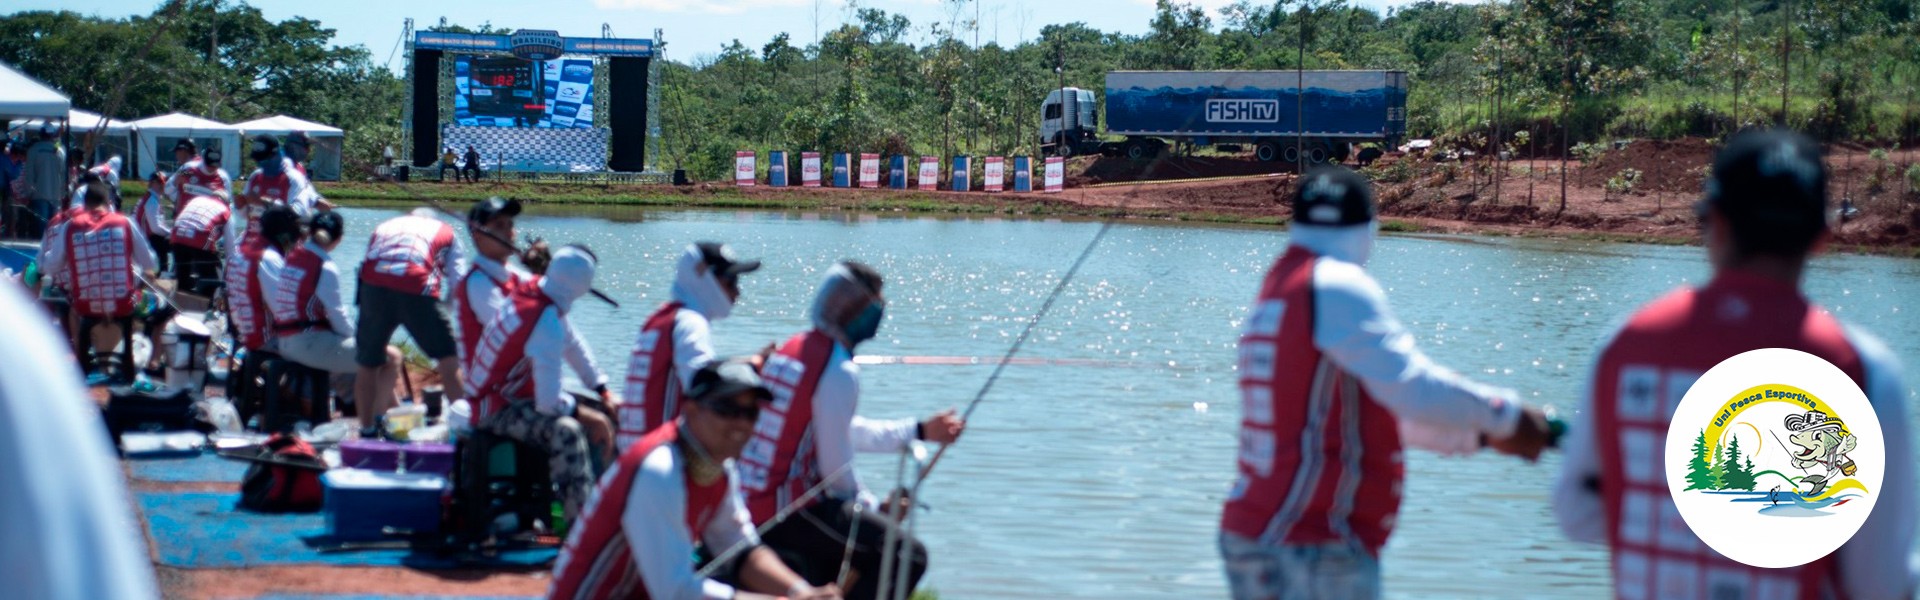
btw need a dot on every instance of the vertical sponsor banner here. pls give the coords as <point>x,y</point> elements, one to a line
<point>743,168</point>
<point>962,176</point>
<point>1056,178</point>
<point>777,168</point>
<point>1022,174</point>
<point>929,173</point>
<point>842,170</point>
<point>870,171</point>
<point>993,175</point>
<point>897,172</point>
<point>810,169</point>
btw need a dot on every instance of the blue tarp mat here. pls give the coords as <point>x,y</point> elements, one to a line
<point>203,467</point>
<point>206,530</point>
<point>364,597</point>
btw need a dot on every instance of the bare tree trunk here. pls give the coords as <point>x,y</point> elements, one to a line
<point>1566,129</point>
<point>1533,153</point>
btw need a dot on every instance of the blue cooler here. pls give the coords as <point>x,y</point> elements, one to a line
<point>360,503</point>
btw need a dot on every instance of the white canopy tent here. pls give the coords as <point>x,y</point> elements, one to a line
<point>24,97</point>
<point>159,134</point>
<point>324,163</point>
<point>116,137</point>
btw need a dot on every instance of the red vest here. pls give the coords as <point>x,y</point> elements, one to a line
<point>597,562</point>
<point>501,373</point>
<point>296,307</point>
<point>469,323</point>
<point>1319,459</point>
<point>100,264</point>
<point>245,303</point>
<point>778,465</point>
<point>196,179</point>
<point>1641,376</point>
<point>653,389</point>
<point>201,224</point>
<point>405,254</point>
<point>144,212</point>
<point>48,237</point>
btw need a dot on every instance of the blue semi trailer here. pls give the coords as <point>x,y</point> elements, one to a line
<point>1231,108</point>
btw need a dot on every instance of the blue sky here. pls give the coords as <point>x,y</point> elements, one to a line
<point>692,27</point>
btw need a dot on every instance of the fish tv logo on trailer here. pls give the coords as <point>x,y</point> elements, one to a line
<point>1243,111</point>
<point>1774,458</point>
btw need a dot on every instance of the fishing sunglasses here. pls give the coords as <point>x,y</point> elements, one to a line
<point>726,408</point>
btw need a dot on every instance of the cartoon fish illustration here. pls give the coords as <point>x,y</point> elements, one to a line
<point>1821,441</point>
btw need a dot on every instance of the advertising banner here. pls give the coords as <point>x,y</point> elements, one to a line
<point>993,175</point>
<point>929,173</point>
<point>743,168</point>
<point>870,170</point>
<point>1056,178</point>
<point>809,169</point>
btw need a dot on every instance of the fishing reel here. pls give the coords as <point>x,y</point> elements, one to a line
<point>537,255</point>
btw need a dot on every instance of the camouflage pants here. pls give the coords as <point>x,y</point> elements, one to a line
<point>566,446</point>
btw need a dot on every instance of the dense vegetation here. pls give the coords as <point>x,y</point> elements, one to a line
<point>1482,74</point>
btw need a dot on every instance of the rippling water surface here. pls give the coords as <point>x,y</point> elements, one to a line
<point>1106,481</point>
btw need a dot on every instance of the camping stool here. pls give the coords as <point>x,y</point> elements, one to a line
<point>298,382</point>
<point>83,343</point>
<point>497,475</point>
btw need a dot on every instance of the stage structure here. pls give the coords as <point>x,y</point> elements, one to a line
<point>525,101</point>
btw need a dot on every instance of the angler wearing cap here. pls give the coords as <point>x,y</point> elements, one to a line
<point>491,279</point>
<point>411,261</point>
<point>1764,215</point>
<point>676,490</point>
<point>515,376</point>
<point>254,272</point>
<point>102,256</point>
<point>106,172</point>
<point>196,176</point>
<point>678,338</point>
<point>273,182</point>
<point>310,317</point>
<point>1332,386</point>
<point>816,391</point>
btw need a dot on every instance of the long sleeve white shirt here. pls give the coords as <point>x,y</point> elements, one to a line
<point>553,345</point>
<point>327,290</point>
<point>70,531</point>
<point>655,522</point>
<point>483,288</point>
<point>150,218</point>
<point>838,432</point>
<point>1439,410</point>
<point>692,346</point>
<point>1874,564</point>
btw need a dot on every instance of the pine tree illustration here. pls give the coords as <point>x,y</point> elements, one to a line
<point>1699,471</point>
<point>1737,475</point>
<point>1718,471</point>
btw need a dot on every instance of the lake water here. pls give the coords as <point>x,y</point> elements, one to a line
<point>1105,480</point>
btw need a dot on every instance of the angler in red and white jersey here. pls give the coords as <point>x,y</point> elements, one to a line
<point>196,176</point>
<point>310,315</point>
<point>273,183</point>
<point>1331,385</point>
<point>198,234</point>
<point>677,339</point>
<point>516,376</point>
<point>150,216</point>
<point>675,491</point>
<point>816,390</point>
<point>411,262</point>
<point>492,276</point>
<point>1764,215</point>
<point>103,258</point>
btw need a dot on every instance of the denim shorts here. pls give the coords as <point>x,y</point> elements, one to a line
<point>1307,572</point>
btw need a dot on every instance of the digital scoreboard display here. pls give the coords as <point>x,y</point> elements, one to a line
<point>502,91</point>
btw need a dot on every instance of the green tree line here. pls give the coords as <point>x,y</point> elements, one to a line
<point>1561,71</point>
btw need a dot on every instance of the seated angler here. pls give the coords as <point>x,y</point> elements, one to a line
<point>196,238</point>
<point>676,491</point>
<point>102,257</point>
<point>310,316</point>
<point>815,432</point>
<point>678,338</point>
<point>516,377</point>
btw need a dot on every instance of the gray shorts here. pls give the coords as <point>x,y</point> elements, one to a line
<point>322,349</point>
<point>1306,572</point>
<point>383,310</point>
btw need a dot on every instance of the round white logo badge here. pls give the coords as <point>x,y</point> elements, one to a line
<point>1774,458</point>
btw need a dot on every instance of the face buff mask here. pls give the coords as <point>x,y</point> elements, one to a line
<point>271,165</point>
<point>866,325</point>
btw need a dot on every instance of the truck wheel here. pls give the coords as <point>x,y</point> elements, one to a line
<point>1141,149</point>
<point>1266,152</point>
<point>1317,154</point>
<point>1063,150</point>
<point>1290,154</point>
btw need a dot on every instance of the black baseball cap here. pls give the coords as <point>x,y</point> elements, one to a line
<point>484,211</point>
<point>720,380</point>
<point>722,261</point>
<point>1769,182</point>
<point>185,144</point>
<point>280,223</point>
<point>329,222</point>
<point>1333,196</point>
<point>263,146</point>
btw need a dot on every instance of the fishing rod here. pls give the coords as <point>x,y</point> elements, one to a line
<point>784,512</point>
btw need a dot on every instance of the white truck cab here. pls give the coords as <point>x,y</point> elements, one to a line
<point>1065,127</point>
